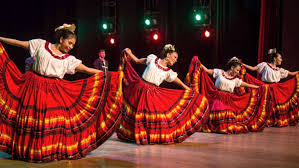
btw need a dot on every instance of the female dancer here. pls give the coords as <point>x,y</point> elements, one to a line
<point>44,117</point>
<point>229,113</point>
<point>155,115</point>
<point>270,72</point>
<point>227,80</point>
<point>284,95</point>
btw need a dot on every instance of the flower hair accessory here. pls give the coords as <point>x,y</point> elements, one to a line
<point>169,47</point>
<point>69,27</point>
<point>272,51</point>
<point>235,59</point>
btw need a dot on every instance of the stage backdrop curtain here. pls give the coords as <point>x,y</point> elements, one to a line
<point>270,29</point>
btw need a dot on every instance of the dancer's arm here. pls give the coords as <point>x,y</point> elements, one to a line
<point>85,69</point>
<point>251,68</point>
<point>293,73</point>
<point>134,58</point>
<point>209,71</point>
<point>18,43</point>
<point>244,84</point>
<point>180,83</point>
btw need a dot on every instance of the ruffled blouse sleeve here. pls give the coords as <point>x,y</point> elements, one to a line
<point>171,75</point>
<point>34,45</point>
<point>72,64</point>
<point>283,73</point>
<point>150,58</point>
<point>260,67</point>
<point>217,72</point>
<point>238,82</point>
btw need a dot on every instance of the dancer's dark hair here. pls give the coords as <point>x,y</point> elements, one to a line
<point>168,49</point>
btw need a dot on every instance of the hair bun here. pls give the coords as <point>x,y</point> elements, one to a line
<point>233,62</point>
<point>272,51</point>
<point>65,26</point>
<point>169,47</point>
<point>235,59</point>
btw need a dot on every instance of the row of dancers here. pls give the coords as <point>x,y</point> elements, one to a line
<point>45,118</point>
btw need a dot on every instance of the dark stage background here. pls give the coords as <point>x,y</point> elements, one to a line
<point>235,24</point>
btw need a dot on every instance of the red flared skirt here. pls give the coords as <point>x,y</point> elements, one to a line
<point>230,113</point>
<point>44,119</point>
<point>154,115</point>
<point>284,97</point>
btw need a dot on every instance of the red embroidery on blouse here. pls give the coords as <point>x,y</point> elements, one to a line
<point>226,77</point>
<point>274,68</point>
<point>54,55</point>
<point>159,66</point>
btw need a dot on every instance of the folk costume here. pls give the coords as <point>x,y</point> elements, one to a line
<point>155,115</point>
<point>45,118</point>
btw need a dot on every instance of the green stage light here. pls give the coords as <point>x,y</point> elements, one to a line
<point>105,26</point>
<point>147,22</point>
<point>197,17</point>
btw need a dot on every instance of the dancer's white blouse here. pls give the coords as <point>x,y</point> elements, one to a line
<point>224,82</point>
<point>271,74</point>
<point>156,73</point>
<point>49,64</point>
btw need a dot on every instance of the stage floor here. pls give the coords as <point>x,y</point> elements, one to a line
<point>274,147</point>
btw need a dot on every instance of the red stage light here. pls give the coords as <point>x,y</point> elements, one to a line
<point>207,33</point>
<point>155,36</point>
<point>112,41</point>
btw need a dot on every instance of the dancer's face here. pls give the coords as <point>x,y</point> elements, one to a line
<point>235,70</point>
<point>67,44</point>
<point>172,58</point>
<point>278,59</point>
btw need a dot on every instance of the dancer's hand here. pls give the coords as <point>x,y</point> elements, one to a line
<point>131,56</point>
<point>188,88</point>
<point>128,51</point>
<point>293,73</point>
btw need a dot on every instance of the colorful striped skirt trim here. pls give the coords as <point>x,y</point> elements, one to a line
<point>230,113</point>
<point>44,119</point>
<point>155,115</point>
